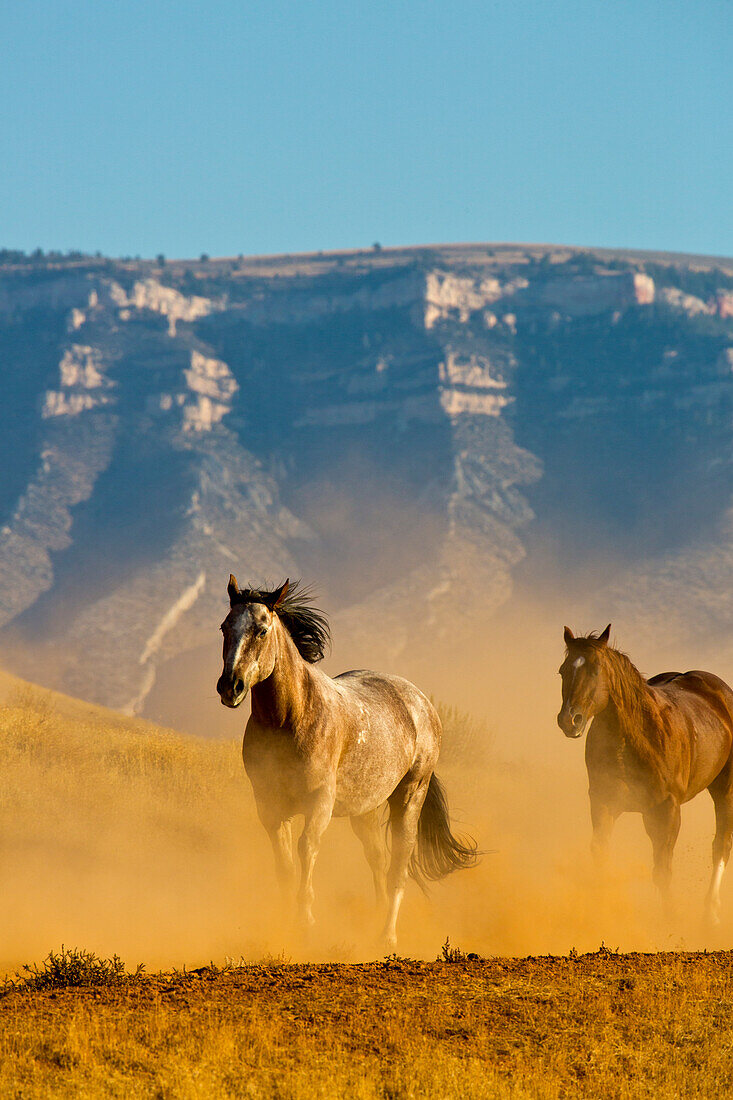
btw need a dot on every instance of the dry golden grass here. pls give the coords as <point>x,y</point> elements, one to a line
<point>117,834</point>
<point>600,1025</point>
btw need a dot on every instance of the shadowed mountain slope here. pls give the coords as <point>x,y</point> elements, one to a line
<point>400,427</point>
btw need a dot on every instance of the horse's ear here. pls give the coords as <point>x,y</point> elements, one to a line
<point>603,638</point>
<point>568,635</point>
<point>277,597</point>
<point>233,589</point>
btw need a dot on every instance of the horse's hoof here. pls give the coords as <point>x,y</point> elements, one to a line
<point>712,918</point>
<point>389,944</point>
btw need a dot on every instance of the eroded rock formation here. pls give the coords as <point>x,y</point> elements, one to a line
<point>396,426</point>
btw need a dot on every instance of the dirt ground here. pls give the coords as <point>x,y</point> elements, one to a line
<point>601,1024</point>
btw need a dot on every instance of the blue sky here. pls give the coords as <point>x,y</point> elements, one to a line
<point>232,126</point>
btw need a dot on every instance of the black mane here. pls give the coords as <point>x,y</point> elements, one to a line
<point>306,625</point>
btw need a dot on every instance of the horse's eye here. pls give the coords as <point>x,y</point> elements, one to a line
<point>261,632</point>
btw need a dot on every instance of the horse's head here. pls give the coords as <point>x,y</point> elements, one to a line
<point>584,681</point>
<point>250,643</point>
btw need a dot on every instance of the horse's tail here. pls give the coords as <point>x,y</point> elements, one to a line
<point>438,852</point>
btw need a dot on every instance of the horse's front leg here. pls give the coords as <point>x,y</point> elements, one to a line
<point>662,824</point>
<point>280,832</point>
<point>281,838</point>
<point>602,819</point>
<point>317,818</point>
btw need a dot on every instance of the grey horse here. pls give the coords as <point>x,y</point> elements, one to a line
<point>341,747</point>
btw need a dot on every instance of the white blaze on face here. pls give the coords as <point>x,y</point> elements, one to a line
<point>243,626</point>
<point>577,665</point>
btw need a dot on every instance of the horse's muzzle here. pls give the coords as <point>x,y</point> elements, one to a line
<point>572,725</point>
<point>232,691</point>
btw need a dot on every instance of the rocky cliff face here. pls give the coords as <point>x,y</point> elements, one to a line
<point>399,427</point>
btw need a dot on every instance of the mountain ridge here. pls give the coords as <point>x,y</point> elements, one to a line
<point>397,424</point>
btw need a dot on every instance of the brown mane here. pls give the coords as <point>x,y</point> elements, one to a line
<point>628,689</point>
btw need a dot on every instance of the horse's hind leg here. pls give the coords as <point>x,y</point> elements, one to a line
<point>405,807</point>
<point>662,824</point>
<point>368,827</point>
<point>722,796</point>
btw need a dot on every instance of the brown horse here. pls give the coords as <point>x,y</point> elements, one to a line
<point>652,745</point>
<point>340,747</point>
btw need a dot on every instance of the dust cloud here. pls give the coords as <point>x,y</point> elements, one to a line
<point>120,836</point>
